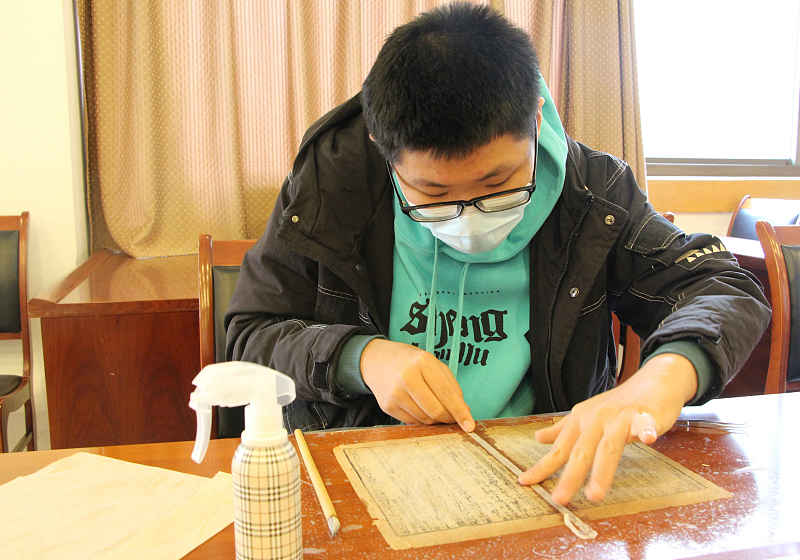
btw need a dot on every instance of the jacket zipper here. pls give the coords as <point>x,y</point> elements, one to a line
<point>561,275</point>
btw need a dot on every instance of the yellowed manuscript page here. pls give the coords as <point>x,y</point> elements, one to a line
<point>440,489</point>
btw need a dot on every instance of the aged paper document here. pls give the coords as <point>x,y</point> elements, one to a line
<point>645,478</point>
<point>90,506</point>
<point>440,489</point>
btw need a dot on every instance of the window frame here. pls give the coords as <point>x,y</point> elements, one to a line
<point>710,167</point>
<point>704,167</point>
<point>677,167</point>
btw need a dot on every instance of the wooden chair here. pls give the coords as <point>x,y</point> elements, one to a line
<point>777,211</point>
<point>218,270</point>
<point>782,257</point>
<point>629,357</point>
<point>629,348</point>
<point>15,390</point>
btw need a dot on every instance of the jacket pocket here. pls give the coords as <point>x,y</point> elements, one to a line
<point>653,235</point>
<point>336,306</point>
<point>595,305</point>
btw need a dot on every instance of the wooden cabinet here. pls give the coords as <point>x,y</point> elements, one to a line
<point>121,346</point>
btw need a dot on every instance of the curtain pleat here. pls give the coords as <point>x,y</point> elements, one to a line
<point>598,93</point>
<point>194,110</point>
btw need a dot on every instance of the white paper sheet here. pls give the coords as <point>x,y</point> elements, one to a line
<point>90,506</point>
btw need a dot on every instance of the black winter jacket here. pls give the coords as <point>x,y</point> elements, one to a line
<point>322,272</point>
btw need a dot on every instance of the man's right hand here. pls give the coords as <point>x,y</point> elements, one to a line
<point>413,385</point>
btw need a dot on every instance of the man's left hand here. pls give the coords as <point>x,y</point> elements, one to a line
<point>593,435</point>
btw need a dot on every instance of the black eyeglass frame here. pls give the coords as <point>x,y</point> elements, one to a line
<point>530,188</point>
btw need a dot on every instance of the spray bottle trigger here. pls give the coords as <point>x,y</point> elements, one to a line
<point>203,431</point>
<point>284,389</point>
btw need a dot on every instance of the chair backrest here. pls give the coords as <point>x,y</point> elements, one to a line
<point>782,257</point>
<point>219,263</point>
<point>218,271</point>
<point>776,211</point>
<point>14,322</point>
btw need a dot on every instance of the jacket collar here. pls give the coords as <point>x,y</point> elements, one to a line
<point>337,167</point>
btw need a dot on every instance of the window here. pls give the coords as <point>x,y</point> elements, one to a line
<point>719,86</point>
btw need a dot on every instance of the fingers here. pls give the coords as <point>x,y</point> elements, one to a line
<point>426,401</point>
<point>418,402</point>
<point>405,409</point>
<point>428,392</point>
<point>403,416</point>
<point>556,457</point>
<point>402,405</point>
<point>443,384</point>
<point>596,448</point>
<point>580,462</point>
<point>609,452</point>
<point>549,434</point>
<point>413,385</point>
<point>419,415</point>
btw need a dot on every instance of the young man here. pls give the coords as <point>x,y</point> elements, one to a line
<point>441,252</point>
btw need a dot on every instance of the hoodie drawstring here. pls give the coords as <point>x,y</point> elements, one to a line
<point>430,330</point>
<point>455,347</point>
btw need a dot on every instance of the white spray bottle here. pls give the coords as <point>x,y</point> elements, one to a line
<point>265,469</point>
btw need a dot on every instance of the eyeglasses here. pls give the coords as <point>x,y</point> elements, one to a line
<point>495,202</point>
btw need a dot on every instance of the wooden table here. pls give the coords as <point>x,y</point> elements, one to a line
<point>750,380</point>
<point>759,463</point>
<point>121,346</point>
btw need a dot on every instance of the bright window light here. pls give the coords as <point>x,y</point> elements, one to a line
<point>718,79</point>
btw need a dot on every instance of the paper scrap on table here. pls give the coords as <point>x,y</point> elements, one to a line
<point>90,506</point>
<point>433,490</point>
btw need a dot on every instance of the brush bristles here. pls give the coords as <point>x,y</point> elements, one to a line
<point>333,525</point>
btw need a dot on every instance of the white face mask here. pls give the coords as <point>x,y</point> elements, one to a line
<point>475,231</point>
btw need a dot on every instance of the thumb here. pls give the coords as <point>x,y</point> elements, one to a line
<point>643,428</point>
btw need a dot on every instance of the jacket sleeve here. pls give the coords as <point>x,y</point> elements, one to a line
<point>669,286</point>
<point>272,320</point>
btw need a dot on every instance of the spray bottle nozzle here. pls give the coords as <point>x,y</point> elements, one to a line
<point>262,389</point>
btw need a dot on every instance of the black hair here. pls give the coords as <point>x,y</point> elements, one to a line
<point>451,81</point>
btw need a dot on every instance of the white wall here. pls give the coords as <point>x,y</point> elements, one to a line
<point>41,169</point>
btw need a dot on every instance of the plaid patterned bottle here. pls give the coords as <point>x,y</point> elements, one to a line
<point>266,499</point>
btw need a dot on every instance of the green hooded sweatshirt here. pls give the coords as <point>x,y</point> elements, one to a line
<point>480,301</point>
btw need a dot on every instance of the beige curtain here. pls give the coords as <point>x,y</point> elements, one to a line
<point>194,109</point>
<point>596,78</point>
<point>587,55</point>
